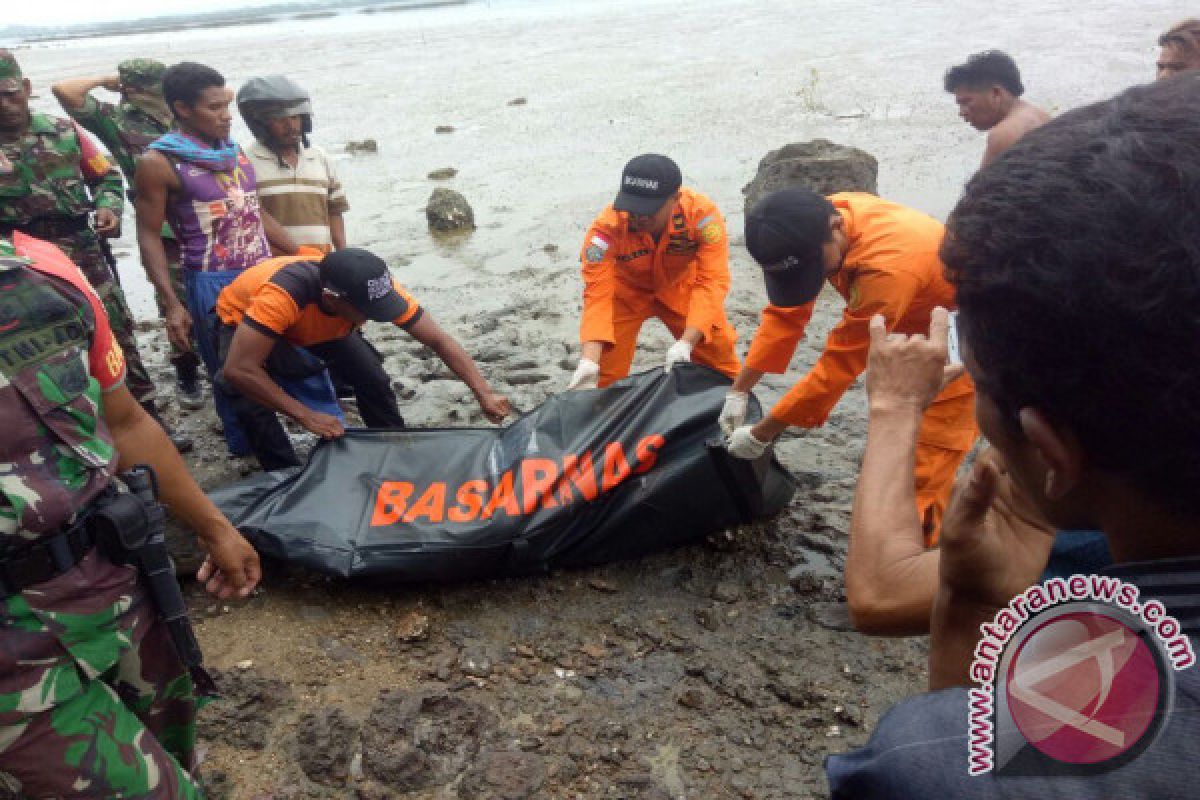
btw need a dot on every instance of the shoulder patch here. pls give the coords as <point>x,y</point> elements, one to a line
<point>710,230</point>
<point>597,247</point>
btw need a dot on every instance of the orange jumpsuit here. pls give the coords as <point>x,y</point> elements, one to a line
<point>892,268</point>
<point>682,280</point>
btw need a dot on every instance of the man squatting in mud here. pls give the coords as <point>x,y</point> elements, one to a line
<point>659,250</point>
<point>320,304</point>
<point>881,258</point>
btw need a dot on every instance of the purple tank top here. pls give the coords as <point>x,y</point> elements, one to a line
<point>216,218</point>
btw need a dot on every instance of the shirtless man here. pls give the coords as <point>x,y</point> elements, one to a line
<point>988,91</point>
<point>1180,49</point>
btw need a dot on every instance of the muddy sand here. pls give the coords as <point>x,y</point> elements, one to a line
<point>698,673</point>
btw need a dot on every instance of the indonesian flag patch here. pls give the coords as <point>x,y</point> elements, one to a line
<point>597,248</point>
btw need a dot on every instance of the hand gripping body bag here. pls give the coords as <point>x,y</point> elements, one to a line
<point>588,477</point>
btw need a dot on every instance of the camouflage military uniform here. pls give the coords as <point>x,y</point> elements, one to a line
<point>94,703</point>
<point>43,192</point>
<point>126,130</point>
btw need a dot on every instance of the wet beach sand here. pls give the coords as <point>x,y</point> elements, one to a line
<point>700,673</point>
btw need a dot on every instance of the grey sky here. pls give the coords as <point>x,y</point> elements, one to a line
<point>66,12</point>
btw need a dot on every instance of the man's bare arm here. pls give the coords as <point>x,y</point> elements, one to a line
<point>337,231</point>
<point>747,379</point>
<point>495,406</point>
<point>281,241</point>
<point>244,371</point>
<point>154,181</point>
<point>592,350</point>
<point>891,578</point>
<point>72,93</point>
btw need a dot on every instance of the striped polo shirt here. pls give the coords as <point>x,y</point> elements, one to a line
<point>300,199</point>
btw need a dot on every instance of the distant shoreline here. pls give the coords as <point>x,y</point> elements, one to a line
<point>321,9</point>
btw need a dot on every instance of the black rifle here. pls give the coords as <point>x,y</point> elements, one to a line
<point>111,258</point>
<point>131,527</point>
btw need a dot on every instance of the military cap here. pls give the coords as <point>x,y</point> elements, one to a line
<point>141,73</point>
<point>10,72</point>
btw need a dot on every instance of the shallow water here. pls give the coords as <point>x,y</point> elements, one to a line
<point>713,84</point>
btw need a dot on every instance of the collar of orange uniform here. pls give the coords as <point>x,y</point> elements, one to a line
<point>677,211</point>
<point>844,275</point>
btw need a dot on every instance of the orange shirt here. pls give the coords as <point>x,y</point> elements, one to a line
<point>687,270</point>
<point>279,297</point>
<point>892,268</point>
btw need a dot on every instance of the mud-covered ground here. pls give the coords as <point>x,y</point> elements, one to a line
<point>703,672</point>
<point>699,673</point>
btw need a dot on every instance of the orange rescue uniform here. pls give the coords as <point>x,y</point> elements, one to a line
<point>682,279</point>
<point>891,268</point>
<point>280,297</point>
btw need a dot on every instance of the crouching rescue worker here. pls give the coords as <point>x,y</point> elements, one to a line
<point>318,304</point>
<point>658,251</point>
<point>882,258</point>
<point>96,696</point>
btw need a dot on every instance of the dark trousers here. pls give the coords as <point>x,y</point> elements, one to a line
<point>351,359</point>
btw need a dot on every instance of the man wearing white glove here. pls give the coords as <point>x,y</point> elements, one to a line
<point>733,413</point>
<point>744,444</point>
<point>587,375</point>
<point>659,250</point>
<point>680,351</point>
<point>882,258</point>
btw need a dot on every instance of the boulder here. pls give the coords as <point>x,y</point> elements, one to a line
<point>820,165</point>
<point>448,211</point>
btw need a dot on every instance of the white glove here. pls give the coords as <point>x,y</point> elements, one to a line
<point>743,444</point>
<point>733,413</point>
<point>587,375</point>
<point>680,351</point>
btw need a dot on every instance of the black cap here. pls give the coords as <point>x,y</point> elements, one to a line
<point>364,281</point>
<point>786,233</point>
<point>646,183</point>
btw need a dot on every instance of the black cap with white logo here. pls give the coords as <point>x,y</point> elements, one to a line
<point>786,233</point>
<point>363,280</point>
<point>646,183</point>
